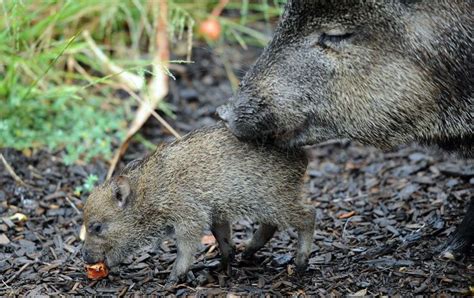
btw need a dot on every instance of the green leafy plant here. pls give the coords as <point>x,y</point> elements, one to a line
<point>87,186</point>
<point>53,92</point>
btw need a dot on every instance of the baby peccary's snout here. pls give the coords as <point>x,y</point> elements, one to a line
<point>207,179</point>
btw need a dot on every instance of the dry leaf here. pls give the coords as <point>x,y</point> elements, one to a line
<point>4,239</point>
<point>359,293</point>
<point>346,215</point>
<point>19,217</point>
<point>157,88</point>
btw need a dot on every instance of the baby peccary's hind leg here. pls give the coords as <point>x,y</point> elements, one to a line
<point>223,234</point>
<point>459,244</point>
<point>260,238</point>
<point>187,242</point>
<point>304,224</point>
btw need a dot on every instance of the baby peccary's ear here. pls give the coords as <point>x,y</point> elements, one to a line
<point>121,190</point>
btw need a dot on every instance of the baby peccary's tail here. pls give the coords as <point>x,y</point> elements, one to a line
<point>304,223</point>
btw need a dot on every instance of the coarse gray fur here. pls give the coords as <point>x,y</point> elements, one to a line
<point>383,73</point>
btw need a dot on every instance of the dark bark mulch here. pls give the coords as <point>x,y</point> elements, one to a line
<point>382,219</point>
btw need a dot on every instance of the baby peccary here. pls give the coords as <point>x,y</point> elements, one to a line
<point>207,179</point>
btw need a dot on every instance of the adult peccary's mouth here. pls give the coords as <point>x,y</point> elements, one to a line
<point>291,138</point>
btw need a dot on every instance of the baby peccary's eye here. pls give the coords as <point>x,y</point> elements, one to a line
<point>96,228</point>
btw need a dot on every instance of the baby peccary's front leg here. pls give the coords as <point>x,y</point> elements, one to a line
<point>223,234</point>
<point>259,239</point>
<point>304,224</point>
<point>187,242</point>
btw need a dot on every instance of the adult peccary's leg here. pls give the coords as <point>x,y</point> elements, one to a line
<point>222,232</point>
<point>264,233</point>
<point>462,239</point>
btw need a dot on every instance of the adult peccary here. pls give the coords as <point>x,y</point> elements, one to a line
<point>207,179</point>
<point>379,72</point>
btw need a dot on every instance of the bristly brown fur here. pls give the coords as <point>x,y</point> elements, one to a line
<point>207,179</point>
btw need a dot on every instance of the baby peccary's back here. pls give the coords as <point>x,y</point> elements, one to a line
<point>210,179</point>
<point>235,179</point>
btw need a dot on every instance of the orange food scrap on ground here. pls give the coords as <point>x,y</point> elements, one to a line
<point>208,240</point>
<point>97,271</point>
<point>346,215</point>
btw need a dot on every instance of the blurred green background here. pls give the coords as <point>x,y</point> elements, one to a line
<point>54,93</point>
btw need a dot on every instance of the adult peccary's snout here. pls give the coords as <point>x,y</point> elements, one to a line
<point>241,115</point>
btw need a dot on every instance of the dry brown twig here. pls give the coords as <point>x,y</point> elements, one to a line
<point>11,171</point>
<point>133,81</point>
<point>157,89</point>
<point>219,8</point>
<point>145,103</point>
<point>136,126</point>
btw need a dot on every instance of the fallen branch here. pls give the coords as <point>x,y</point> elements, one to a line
<point>133,81</point>
<point>219,8</point>
<point>11,171</point>
<point>145,104</point>
<point>157,89</point>
<point>136,126</point>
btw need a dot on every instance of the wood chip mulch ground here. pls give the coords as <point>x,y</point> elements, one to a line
<point>382,219</point>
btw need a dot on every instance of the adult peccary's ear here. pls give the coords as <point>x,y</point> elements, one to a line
<point>121,190</point>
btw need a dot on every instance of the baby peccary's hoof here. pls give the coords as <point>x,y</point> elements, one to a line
<point>301,263</point>
<point>457,248</point>
<point>301,269</point>
<point>248,254</point>
<point>226,268</point>
<point>460,243</point>
<point>173,280</point>
<point>171,283</point>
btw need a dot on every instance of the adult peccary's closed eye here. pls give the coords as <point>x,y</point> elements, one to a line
<point>379,72</point>
<point>207,179</point>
